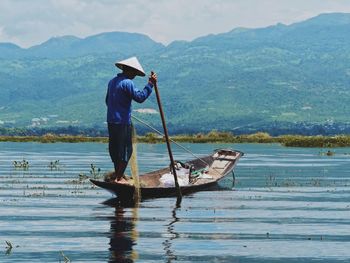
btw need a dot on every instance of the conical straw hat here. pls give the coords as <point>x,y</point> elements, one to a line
<point>132,63</point>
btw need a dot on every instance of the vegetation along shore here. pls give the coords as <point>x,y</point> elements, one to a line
<point>211,137</point>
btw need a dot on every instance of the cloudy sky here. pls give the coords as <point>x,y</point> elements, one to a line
<point>30,22</point>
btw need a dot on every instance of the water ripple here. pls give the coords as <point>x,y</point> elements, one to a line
<point>288,205</point>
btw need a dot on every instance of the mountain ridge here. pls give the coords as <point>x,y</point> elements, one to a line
<point>72,46</point>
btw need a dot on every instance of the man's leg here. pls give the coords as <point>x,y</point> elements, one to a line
<point>120,149</point>
<point>112,146</point>
<point>125,152</point>
<point>120,168</point>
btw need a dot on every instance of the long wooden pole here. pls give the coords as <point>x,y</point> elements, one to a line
<point>178,190</point>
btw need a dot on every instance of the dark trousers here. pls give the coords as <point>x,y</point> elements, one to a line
<point>120,146</point>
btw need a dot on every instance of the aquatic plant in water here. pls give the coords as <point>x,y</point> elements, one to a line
<point>65,258</point>
<point>54,165</point>
<point>95,172</point>
<point>8,247</point>
<point>24,164</point>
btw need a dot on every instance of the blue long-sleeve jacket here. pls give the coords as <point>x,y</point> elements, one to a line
<point>121,91</point>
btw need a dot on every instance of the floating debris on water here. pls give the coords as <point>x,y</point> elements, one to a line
<point>327,153</point>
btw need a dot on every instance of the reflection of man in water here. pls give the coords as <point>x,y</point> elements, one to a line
<point>124,236</point>
<point>121,242</point>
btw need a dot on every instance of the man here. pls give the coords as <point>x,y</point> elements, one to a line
<point>121,91</point>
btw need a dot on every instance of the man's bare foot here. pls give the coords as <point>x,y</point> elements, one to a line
<point>121,180</point>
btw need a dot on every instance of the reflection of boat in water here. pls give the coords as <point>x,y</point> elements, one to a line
<point>123,234</point>
<point>204,172</point>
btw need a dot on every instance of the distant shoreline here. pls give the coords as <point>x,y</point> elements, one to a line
<point>212,137</point>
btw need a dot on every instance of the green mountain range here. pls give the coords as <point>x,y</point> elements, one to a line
<point>281,74</point>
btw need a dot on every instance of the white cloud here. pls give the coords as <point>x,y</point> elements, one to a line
<point>32,22</point>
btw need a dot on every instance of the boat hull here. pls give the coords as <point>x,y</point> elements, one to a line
<point>153,190</point>
<point>127,191</point>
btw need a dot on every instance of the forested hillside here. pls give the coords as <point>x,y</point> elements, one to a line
<point>282,74</point>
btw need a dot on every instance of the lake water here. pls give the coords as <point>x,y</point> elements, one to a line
<point>288,205</point>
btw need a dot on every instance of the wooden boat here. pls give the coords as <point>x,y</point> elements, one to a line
<point>206,172</point>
